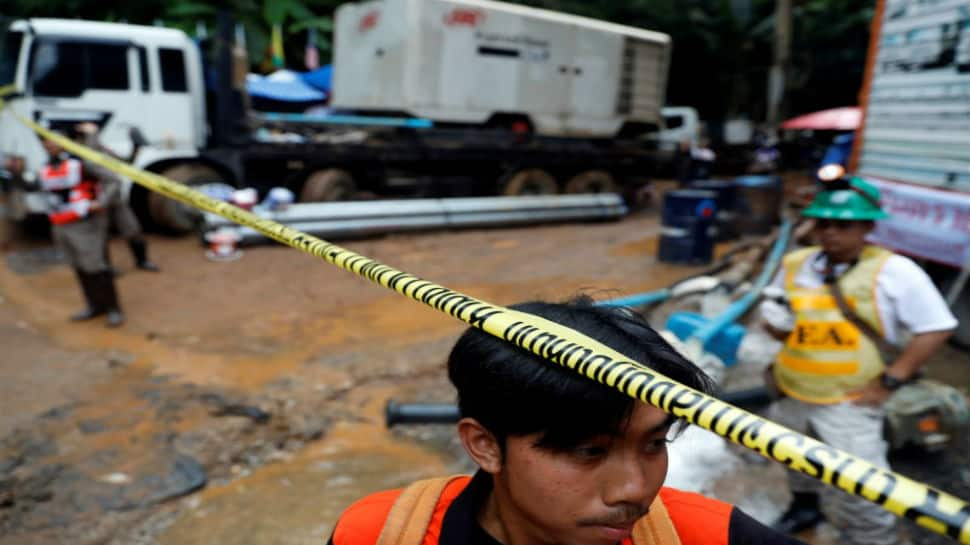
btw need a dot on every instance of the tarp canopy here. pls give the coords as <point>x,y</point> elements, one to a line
<point>836,119</point>
<point>283,86</point>
<point>320,78</point>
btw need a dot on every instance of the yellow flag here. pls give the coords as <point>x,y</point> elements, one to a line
<point>276,45</point>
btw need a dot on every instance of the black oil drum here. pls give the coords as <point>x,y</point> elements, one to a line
<point>726,192</point>
<point>688,227</point>
<point>758,206</point>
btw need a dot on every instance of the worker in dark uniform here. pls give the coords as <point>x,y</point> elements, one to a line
<point>78,195</point>
<point>119,213</point>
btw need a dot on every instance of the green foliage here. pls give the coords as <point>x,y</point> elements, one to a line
<point>721,55</point>
<point>723,49</point>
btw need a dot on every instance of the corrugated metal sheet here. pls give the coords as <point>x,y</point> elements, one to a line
<point>917,125</point>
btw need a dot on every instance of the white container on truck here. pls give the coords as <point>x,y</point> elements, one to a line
<point>481,62</point>
<point>915,140</point>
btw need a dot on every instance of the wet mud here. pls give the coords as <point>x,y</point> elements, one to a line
<point>243,401</point>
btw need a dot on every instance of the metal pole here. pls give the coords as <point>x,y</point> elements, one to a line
<point>779,70</point>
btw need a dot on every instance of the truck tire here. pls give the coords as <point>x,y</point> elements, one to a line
<point>592,181</point>
<point>532,181</point>
<point>331,184</point>
<point>172,215</point>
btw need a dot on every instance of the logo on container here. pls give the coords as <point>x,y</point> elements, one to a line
<point>464,17</point>
<point>369,21</point>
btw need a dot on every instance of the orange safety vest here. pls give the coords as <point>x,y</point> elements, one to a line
<point>66,177</point>
<point>414,516</point>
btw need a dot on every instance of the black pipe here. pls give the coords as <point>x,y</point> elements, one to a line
<point>446,413</point>
<point>420,413</point>
<point>750,399</point>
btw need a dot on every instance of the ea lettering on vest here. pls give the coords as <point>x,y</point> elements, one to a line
<point>803,332</point>
<point>830,335</point>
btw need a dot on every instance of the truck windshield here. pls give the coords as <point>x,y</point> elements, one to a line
<point>64,68</point>
<point>10,41</point>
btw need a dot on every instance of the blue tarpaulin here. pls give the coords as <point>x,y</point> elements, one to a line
<point>283,86</point>
<point>839,150</point>
<point>320,78</point>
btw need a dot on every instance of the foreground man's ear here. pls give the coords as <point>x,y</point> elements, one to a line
<point>480,444</point>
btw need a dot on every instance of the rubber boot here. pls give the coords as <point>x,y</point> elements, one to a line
<point>139,250</point>
<point>88,289</point>
<point>108,298</point>
<point>803,513</point>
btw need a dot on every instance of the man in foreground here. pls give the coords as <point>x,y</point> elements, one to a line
<point>563,460</point>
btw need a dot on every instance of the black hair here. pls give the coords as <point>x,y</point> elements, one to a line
<point>513,392</point>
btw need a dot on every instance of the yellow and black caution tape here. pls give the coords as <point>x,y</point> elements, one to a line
<point>931,508</point>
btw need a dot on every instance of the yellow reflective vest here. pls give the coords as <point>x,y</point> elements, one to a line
<point>826,356</point>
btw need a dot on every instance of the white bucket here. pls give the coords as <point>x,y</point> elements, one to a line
<point>245,198</point>
<point>222,245</point>
<point>278,199</point>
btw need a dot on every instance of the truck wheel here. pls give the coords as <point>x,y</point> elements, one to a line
<point>331,184</point>
<point>592,181</point>
<point>531,181</point>
<point>172,215</point>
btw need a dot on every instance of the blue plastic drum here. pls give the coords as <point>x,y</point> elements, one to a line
<point>688,227</point>
<point>726,192</point>
<point>759,201</point>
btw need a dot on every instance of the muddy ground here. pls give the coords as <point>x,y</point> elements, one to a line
<point>243,401</point>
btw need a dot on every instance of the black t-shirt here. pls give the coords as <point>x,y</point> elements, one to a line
<point>460,525</point>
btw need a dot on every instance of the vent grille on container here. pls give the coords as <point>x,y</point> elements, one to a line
<point>640,80</point>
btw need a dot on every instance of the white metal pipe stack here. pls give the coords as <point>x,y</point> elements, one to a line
<point>336,220</point>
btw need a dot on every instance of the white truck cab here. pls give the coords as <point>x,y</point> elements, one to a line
<point>681,124</point>
<point>117,76</point>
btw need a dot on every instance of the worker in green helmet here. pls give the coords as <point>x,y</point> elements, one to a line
<point>865,320</point>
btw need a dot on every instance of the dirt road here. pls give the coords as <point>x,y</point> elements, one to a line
<point>242,402</point>
<point>227,366</point>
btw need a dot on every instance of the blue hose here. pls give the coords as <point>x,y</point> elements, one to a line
<point>339,119</point>
<point>707,331</point>
<point>733,312</point>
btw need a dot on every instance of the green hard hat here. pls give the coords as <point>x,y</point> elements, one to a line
<point>847,199</point>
